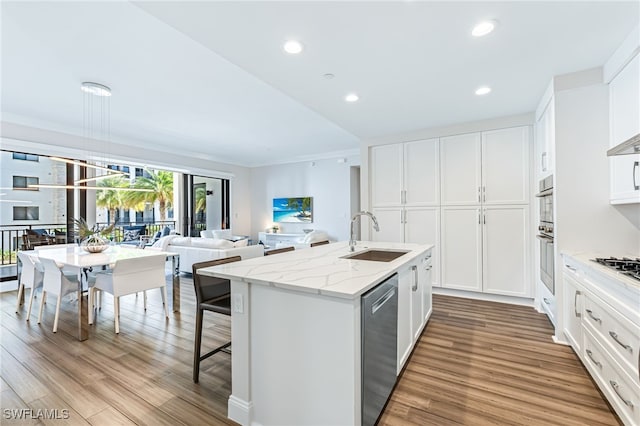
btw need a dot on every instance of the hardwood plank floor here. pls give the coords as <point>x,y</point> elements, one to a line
<point>483,363</point>
<point>476,363</point>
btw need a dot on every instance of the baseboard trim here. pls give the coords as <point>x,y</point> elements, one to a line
<point>485,296</point>
<point>240,411</point>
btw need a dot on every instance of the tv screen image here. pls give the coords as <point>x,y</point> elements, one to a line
<point>293,210</point>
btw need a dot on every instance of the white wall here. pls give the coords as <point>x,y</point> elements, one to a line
<point>327,181</point>
<point>585,221</point>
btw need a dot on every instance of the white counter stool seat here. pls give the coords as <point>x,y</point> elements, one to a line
<point>30,277</point>
<point>129,276</point>
<point>57,283</point>
<point>213,295</point>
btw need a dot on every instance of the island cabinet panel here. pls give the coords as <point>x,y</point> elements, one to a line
<point>573,302</point>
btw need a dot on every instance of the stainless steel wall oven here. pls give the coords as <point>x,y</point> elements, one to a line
<point>545,233</point>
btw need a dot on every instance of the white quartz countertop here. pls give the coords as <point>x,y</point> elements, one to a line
<point>586,259</point>
<point>320,270</point>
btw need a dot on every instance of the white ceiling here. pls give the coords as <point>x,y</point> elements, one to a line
<point>209,79</point>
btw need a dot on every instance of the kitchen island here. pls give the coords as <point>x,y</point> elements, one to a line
<point>296,329</point>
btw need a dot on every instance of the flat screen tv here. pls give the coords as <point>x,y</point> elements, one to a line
<point>293,210</point>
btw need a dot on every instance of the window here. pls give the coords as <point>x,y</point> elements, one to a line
<point>26,213</point>
<point>23,182</point>
<point>25,157</point>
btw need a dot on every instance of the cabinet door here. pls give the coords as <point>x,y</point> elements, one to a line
<point>461,248</point>
<point>573,299</point>
<point>405,279</point>
<point>506,250</point>
<point>417,316</point>
<point>426,270</point>
<point>386,175</point>
<point>542,156</point>
<point>505,166</point>
<point>624,99</point>
<point>422,173</point>
<point>390,224</point>
<point>460,169</point>
<point>423,227</point>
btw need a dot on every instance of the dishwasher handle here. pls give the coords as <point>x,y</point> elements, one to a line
<point>382,300</point>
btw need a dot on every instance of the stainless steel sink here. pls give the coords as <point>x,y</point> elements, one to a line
<point>377,255</point>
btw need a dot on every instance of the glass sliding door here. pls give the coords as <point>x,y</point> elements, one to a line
<point>207,203</point>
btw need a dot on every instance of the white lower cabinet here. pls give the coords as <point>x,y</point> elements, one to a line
<point>573,302</point>
<point>486,249</point>
<point>602,324</point>
<point>414,305</point>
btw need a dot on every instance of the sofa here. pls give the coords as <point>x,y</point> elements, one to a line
<point>198,249</point>
<point>306,241</point>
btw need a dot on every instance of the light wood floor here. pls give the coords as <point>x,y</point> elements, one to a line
<point>477,363</point>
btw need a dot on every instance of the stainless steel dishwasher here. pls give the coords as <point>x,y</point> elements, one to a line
<point>379,347</point>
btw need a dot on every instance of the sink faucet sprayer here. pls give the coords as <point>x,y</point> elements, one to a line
<point>352,237</point>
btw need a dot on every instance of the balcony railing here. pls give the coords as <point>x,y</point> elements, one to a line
<point>11,239</point>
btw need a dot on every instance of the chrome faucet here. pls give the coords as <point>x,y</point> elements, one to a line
<point>352,236</point>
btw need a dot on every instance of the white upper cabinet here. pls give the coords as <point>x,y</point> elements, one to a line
<point>386,177</point>
<point>460,162</point>
<point>505,175</point>
<point>624,117</point>
<point>421,173</point>
<point>545,141</point>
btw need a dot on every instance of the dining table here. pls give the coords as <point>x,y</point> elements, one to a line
<point>76,257</point>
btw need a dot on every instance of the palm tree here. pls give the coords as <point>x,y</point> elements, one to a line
<point>111,199</point>
<point>160,183</point>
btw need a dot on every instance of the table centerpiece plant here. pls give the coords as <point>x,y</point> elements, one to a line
<point>93,239</point>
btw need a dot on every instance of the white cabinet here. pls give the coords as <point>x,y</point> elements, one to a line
<point>405,194</point>
<point>405,338</point>
<point>573,304</point>
<point>405,174</point>
<point>624,117</point>
<point>416,302</point>
<point>489,167</point>
<point>545,140</point>
<point>505,250</point>
<point>460,162</point>
<point>461,248</point>
<point>426,271</point>
<point>486,249</point>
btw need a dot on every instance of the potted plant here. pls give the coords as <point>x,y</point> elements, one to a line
<point>93,238</point>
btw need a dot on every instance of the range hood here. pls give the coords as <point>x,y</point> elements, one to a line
<point>630,146</point>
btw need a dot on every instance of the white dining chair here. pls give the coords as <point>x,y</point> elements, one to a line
<point>129,276</point>
<point>57,283</point>
<point>30,277</point>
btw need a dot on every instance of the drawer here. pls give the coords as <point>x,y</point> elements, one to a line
<point>620,390</point>
<point>620,336</point>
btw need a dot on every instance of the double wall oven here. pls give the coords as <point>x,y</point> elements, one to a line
<point>545,233</point>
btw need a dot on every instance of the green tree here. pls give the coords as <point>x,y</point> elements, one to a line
<point>111,199</point>
<point>201,199</point>
<point>160,182</point>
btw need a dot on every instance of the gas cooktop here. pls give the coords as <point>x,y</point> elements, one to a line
<point>625,266</point>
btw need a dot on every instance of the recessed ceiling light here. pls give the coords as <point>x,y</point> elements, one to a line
<point>483,90</point>
<point>483,28</point>
<point>351,97</point>
<point>293,47</point>
<point>329,76</point>
<point>95,89</point>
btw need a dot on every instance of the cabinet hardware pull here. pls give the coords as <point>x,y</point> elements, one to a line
<point>575,303</point>
<point>479,217</point>
<point>570,267</point>
<point>484,194</point>
<point>415,278</point>
<point>403,196</point>
<point>590,355</point>
<point>596,319</point>
<point>614,385</point>
<point>546,300</point>
<point>635,166</point>
<point>542,158</point>
<point>478,194</point>
<point>484,219</point>
<point>614,335</point>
